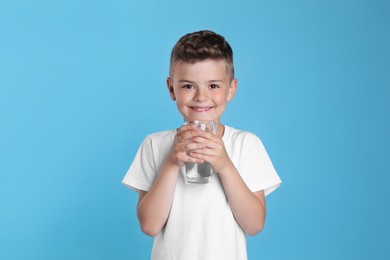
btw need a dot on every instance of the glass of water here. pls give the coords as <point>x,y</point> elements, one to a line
<point>200,173</point>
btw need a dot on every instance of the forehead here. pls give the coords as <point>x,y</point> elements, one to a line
<point>206,68</point>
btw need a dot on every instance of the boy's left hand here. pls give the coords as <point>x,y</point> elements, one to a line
<point>214,152</point>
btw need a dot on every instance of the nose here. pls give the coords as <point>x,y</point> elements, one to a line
<point>200,95</point>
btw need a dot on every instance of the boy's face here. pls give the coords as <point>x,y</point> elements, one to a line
<point>201,89</point>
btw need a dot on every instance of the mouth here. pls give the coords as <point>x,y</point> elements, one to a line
<point>201,109</point>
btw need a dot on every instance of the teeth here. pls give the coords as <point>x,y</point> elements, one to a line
<point>201,108</point>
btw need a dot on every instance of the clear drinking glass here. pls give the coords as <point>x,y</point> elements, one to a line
<point>200,172</point>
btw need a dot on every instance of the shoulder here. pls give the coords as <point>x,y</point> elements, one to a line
<point>241,140</point>
<point>160,139</point>
<point>163,135</point>
<point>237,135</point>
<point>156,143</point>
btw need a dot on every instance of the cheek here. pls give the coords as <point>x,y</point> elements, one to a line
<point>221,99</point>
<point>181,100</point>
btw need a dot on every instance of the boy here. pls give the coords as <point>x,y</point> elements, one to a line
<point>201,221</point>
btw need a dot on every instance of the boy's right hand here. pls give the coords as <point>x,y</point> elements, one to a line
<point>183,145</point>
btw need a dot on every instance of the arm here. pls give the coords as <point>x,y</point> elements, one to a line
<point>249,208</point>
<point>154,206</point>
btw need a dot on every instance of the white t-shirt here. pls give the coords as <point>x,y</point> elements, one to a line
<point>201,225</point>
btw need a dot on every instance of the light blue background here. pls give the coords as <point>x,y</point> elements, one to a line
<point>82,83</point>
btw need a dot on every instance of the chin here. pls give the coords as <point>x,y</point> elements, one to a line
<point>202,118</point>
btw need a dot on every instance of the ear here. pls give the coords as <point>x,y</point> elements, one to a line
<point>170,88</point>
<point>232,89</point>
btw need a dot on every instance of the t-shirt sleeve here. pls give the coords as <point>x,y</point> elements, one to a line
<point>256,167</point>
<point>142,171</point>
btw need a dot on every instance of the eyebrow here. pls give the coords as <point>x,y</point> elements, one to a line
<point>189,81</point>
<point>216,80</point>
<point>185,81</point>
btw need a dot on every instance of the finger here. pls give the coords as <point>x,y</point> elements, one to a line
<point>194,146</point>
<point>212,144</point>
<point>198,153</point>
<point>183,129</point>
<point>209,136</point>
<point>186,127</point>
<point>189,134</point>
<point>191,159</point>
<point>182,139</point>
<point>202,157</point>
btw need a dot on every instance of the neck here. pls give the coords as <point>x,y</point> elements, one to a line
<point>220,129</point>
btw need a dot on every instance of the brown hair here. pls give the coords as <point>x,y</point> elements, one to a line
<point>203,45</point>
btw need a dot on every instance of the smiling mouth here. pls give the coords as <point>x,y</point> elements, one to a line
<point>201,109</point>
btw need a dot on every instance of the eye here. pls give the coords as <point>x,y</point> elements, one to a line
<point>213,86</point>
<point>188,86</point>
